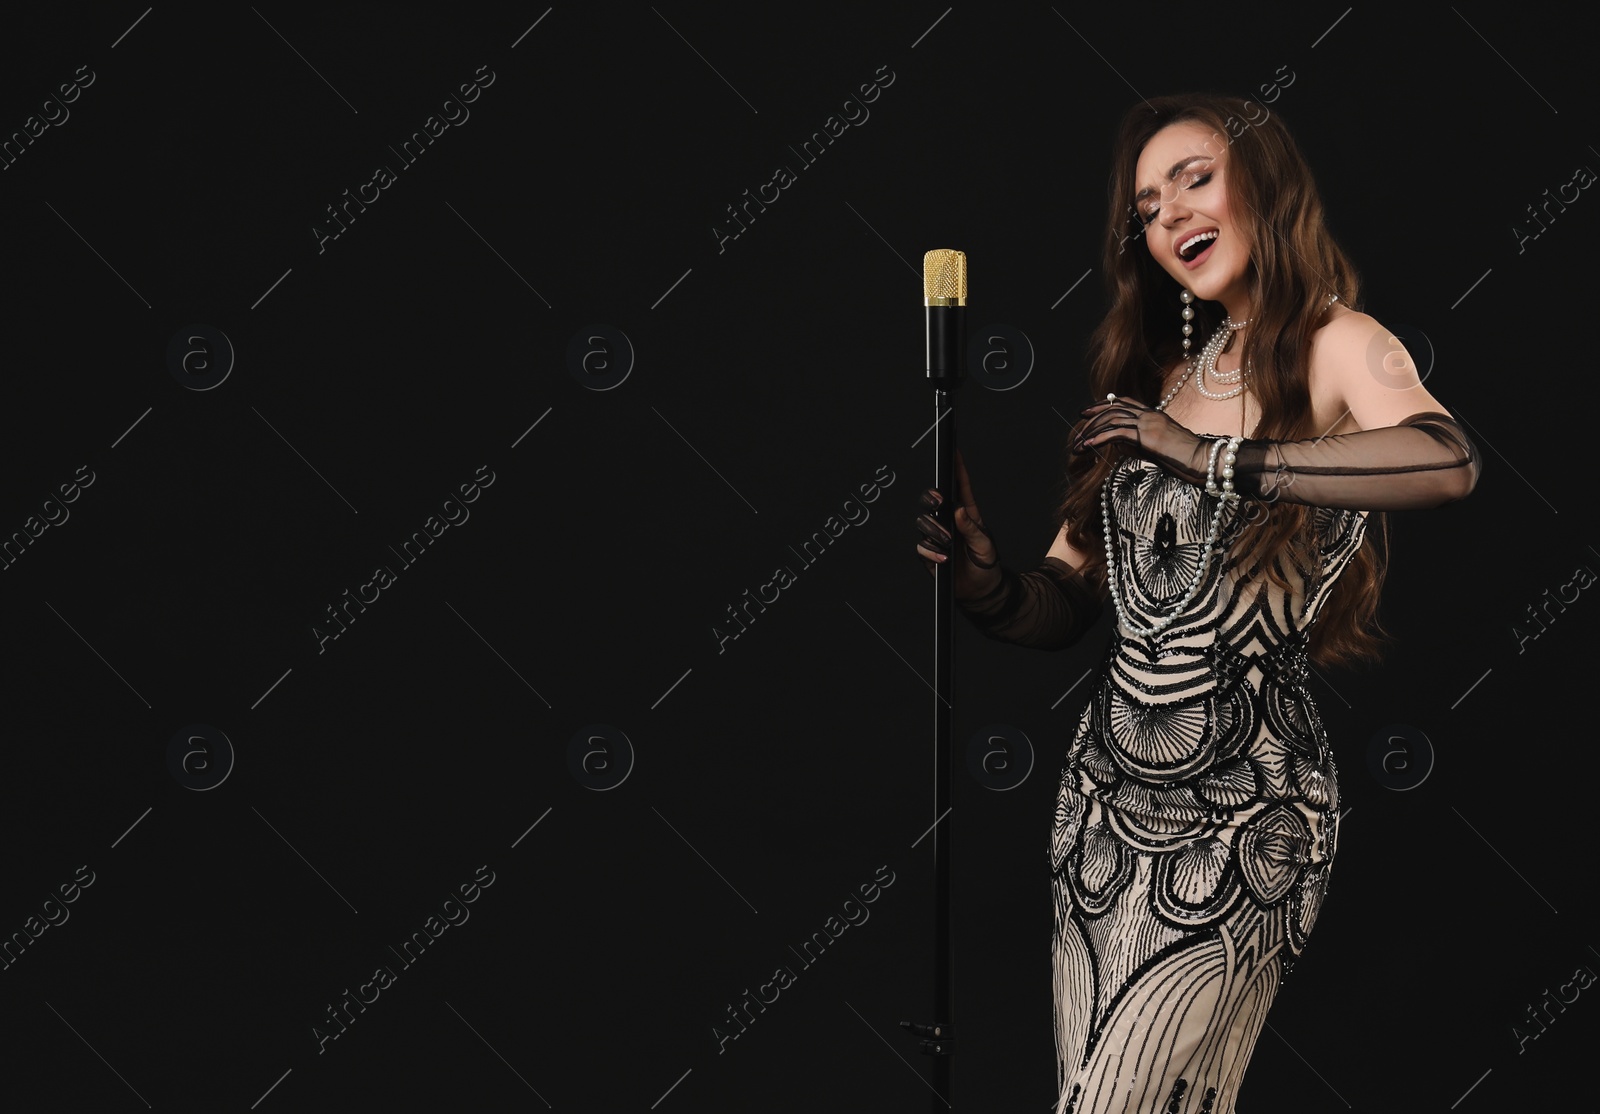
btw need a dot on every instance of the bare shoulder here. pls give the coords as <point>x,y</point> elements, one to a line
<point>1350,343</point>
<point>1361,375</point>
<point>1340,348</point>
<point>1342,327</point>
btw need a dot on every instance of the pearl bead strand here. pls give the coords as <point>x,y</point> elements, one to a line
<point>1208,358</point>
<point>1228,447</point>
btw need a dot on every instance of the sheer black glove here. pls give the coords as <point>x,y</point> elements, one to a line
<point>1423,460</point>
<point>974,562</point>
<point>1150,433</point>
<point>1047,608</point>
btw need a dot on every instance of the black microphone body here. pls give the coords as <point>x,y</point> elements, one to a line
<point>947,344</point>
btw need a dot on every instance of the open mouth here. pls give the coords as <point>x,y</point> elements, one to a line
<point>1195,246</point>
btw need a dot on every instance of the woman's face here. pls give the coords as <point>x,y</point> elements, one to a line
<point>1182,198</point>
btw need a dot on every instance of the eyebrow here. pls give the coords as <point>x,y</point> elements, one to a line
<point>1171,174</point>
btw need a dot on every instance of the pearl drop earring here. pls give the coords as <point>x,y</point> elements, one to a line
<point>1188,319</point>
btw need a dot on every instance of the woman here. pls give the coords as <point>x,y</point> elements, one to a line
<point>1221,492</point>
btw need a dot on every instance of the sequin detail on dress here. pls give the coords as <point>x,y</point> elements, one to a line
<point>1196,818</point>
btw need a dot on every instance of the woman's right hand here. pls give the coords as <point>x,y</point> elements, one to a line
<point>976,558</point>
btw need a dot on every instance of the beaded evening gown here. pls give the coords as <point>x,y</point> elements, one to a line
<point>1197,814</point>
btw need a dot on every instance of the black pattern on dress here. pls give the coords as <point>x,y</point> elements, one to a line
<point>1197,814</point>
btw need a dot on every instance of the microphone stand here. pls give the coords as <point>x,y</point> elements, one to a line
<point>944,295</point>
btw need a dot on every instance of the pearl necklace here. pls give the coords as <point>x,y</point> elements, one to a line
<point>1209,356</point>
<point>1208,365</point>
<point>1228,376</point>
<point>1225,495</point>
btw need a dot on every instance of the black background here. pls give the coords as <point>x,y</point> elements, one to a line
<point>770,380</point>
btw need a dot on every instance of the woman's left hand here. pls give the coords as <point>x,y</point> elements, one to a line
<point>1151,434</point>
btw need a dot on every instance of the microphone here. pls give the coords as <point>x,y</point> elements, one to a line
<point>944,294</point>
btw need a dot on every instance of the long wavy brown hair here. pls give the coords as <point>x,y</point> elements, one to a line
<point>1294,265</point>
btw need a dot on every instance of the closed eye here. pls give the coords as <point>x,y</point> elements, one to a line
<point>1155,212</point>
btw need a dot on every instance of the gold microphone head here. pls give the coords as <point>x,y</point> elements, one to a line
<point>944,277</point>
